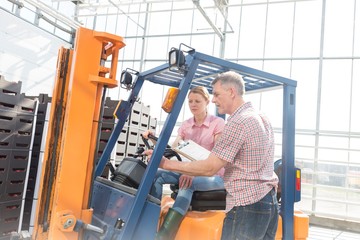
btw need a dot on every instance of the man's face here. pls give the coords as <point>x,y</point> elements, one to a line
<point>221,98</point>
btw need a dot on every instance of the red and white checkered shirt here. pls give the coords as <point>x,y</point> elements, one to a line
<point>247,144</point>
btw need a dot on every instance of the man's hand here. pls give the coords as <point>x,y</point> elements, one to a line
<point>185,181</point>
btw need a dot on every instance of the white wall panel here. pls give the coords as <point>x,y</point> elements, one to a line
<point>28,54</point>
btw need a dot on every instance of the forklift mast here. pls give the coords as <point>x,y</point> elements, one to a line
<point>135,219</point>
<point>67,176</point>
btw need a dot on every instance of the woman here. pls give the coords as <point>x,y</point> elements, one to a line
<point>204,129</point>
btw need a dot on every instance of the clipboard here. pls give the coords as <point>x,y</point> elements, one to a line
<point>192,151</point>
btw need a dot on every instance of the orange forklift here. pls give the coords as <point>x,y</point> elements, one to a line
<point>77,203</point>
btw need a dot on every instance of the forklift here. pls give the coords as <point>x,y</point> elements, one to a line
<point>75,201</point>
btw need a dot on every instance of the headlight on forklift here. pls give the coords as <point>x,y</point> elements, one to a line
<point>176,59</point>
<point>126,78</point>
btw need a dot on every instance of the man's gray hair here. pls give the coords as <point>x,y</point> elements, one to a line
<point>233,79</point>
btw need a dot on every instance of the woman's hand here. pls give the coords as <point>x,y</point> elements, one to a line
<point>185,181</point>
<point>147,133</point>
<point>149,153</point>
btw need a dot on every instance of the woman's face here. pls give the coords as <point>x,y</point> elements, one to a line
<point>197,103</point>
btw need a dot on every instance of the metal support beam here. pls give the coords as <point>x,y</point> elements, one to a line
<point>202,11</point>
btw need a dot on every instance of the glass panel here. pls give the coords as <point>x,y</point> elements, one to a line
<point>307,173</point>
<point>305,204</point>
<point>132,50</point>
<point>161,6</point>
<point>67,8</point>
<point>357,31</point>
<point>355,98</point>
<point>232,39</point>
<point>304,140</point>
<point>339,26</point>
<point>279,67</point>
<point>335,95</point>
<point>100,23</point>
<point>249,1</point>
<point>181,22</point>
<point>62,34</point>
<point>252,64</point>
<point>331,174</point>
<point>204,44</point>
<point>279,30</point>
<point>353,196</point>
<point>331,193</point>
<point>176,41</point>
<point>111,24</point>
<point>121,25</point>
<point>46,25</point>
<point>333,208</point>
<point>271,105</point>
<point>333,142</point>
<point>353,211</point>
<point>252,31</point>
<point>156,20</point>
<point>182,5</point>
<point>306,73</point>
<point>155,100</point>
<point>8,6</point>
<point>354,156</point>
<point>306,189</point>
<point>132,28</point>
<point>28,13</point>
<point>153,51</point>
<point>304,152</point>
<point>333,155</point>
<point>307,29</point>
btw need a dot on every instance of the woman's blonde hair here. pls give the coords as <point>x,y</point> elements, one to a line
<point>202,91</point>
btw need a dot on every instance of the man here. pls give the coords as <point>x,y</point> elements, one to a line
<point>246,151</point>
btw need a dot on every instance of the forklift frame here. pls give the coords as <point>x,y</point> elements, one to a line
<point>201,70</point>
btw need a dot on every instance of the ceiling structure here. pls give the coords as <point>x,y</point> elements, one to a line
<point>45,7</point>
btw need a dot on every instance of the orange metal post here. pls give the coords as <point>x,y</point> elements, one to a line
<point>74,163</point>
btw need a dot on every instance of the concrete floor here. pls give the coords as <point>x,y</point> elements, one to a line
<point>321,233</point>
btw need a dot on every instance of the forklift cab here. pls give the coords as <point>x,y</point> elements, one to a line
<point>132,213</point>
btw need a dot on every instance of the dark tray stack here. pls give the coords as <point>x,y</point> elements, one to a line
<point>16,135</point>
<point>107,125</point>
<point>38,149</point>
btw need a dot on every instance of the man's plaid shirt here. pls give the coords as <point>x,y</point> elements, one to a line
<point>247,144</point>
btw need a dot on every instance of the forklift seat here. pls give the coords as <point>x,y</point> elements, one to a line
<point>204,200</point>
<point>216,199</point>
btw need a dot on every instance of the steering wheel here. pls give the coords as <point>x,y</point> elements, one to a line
<point>168,153</point>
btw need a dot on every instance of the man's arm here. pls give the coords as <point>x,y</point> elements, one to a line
<point>208,167</point>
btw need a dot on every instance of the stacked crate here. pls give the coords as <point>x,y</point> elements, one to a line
<point>139,122</point>
<point>38,150</point>
<point>129,140</point>
<point>107,124</point>
<point>17,115</point>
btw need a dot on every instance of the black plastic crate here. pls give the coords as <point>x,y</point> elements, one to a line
<point>7,121</point>
<point>9,217</point>
<point>24,123</point>
<point>9,87</point>
<point>22,141</point>
<point>111,103</point>
<point>105,135</point>
<point>26,105</point>
<point>9,102</point>
<point>8,226</point>
<point>6,141</point>
<point>107,127</point>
